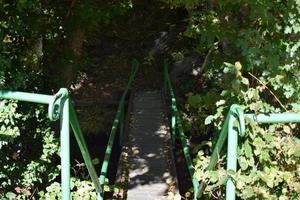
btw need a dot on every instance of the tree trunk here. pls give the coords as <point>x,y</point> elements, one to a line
<point>75,45</point>
<point>61,66</point>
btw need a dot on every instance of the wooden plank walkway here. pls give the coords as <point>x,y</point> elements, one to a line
<point>148,172</point>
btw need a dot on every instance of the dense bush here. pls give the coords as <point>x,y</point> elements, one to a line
<point>250,53</point>
<point>28,155</point>
<point>253,61</point>
<point>28,145</point>
<point>39,40</point>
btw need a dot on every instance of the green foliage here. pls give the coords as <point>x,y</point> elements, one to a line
<point>90,13</point>
<point>8,116</point>
<point>28,147</point>
<point>32,32</point>
<point>269,163</point>
<point>254,63</point>
<point>80,190</point>
<point>27,155</point>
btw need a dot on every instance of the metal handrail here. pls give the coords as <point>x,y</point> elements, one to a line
<point>229,131</point>
<point>60,107</point>
<point>118,121</point>
<point>176,124</point>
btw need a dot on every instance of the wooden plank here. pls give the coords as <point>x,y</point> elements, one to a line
<point>149,174</point>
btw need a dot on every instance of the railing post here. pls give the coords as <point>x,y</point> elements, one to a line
<point>122,125</point>
<point>59,107</point>
<point>173,122</point>
<point>83,148</point>
<point>215,154</point>
<point>177,125</point>
<point>235,113</point>
<point>65,148</point>
<point>119,116</point>
<point>231,157</point>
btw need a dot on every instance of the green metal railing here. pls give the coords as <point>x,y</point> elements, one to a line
<point>118,122</point>
<point>229,130</point>
<point>60,107</point>
<point>234,125</point>
<point>176,125</point>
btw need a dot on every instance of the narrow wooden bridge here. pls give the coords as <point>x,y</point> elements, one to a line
<point>146,170</point>
<point>148,130</point>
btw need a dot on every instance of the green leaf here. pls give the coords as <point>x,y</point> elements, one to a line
<point>10,195</point>
<point>245,81</point>
<point>248,192</point>
<point>270,183</point>
<point>208,119</point>
<point>220,102</point>
<point>228,68</point>
<point>287,30</point>
<point>214,176</point>
<point>243,163</point>
<point>238,66</point>
<point>264,155</point>
<point>227,64</point>
<point>269,137</point>
<point>248,149</point>
<point>194,100</point>
<point>297,151</point>
<point>95,161</point>
<point>287,129</point>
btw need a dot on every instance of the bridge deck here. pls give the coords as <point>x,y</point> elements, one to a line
<point>149,173</point>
